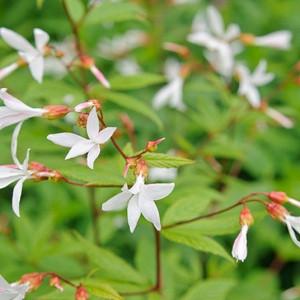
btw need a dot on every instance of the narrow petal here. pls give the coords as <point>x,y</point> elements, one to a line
<point>92,156</point>
<point>6,181</point>
<point>100,76</point>
<point>149,210</point>
<point>65,139</point>
<point>36,66</point>
<point>92,125</point>
<point>80,148</point>
<point>14,145</point>
<point>26,160</point>
<point>105,134</point>
<point>292,234</point>
<point>161,98</point>
<point>279,117</point>
<point>159,191</point>
<point>139,183</point>
<point>294,202</point>
<point>215,21</point>
<point>239,249</point>
<point>295,222</point>
<point>117,202</point>
<point>133,213</point>
<point>15,40</point>
<point>17,196</point>
<point>4,72</point>
<point>233,31</point>
<point>41,39</point>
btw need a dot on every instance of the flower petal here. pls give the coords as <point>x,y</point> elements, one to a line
<point>36,66</point>
<point>239,249</point>
<point>17,196</point>
<point>105,134</point>
<point>139,183</point>
<point>80,148</point>
<point>92,156</point>
<point>159,191</point>
<point>149,210</point>
<point>65,139</point>
<point>215,21</point>
<point>292,234</point>
<point>41,39</point>
<point>16,41</point>
<point>4,182</point>
<point>92,125</point>
<point>133,213</point>
<point>117,202</point>
<point>14,145</point>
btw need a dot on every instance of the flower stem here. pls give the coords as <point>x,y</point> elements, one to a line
<point>95,212</point>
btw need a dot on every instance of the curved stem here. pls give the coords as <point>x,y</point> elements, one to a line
<point>69,181</point>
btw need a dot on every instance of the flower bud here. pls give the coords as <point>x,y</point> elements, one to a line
<point>246,217</point>
<point>88,104</point>
<point>34,279</point>
<point>152,145</point>
<point>86,61</point>
<point>82,120</point>
<point>56,282</point>
<point>278,197</point>
<point>41,172</point>
<point>56,111</point>
<point>276,211</point>
<point>59,53</point>
<point>247,38</point>
<point>81,293</point>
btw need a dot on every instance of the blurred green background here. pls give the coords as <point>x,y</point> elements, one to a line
<point>254,154</point>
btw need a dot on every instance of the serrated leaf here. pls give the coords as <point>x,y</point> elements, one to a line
<point>130,82</point>
<point>110,265</point>
<point>196,241</point>
<point>112,12</point>
<point>128,102</point>
<point>162,160</point>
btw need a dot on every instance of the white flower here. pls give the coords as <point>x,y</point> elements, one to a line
<point>162,174</point>
<point>278,39</point>
<point>239,249</point>
<point>16,173</point>
<point>140,199</point>
<point>34,56</point>
<point>248,82</point>
<point>222,45</point>
<point>15,111</point>
<point>13,291</point>
<point>293,225</point>
<point>80,145</point>
<point>171,94</point>
<point>127,66</point>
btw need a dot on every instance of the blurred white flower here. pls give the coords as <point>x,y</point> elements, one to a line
<point>18,172</point>
<point>162,174</point>
<point>179,2</point>
<point>34,56</point>
<point>249,83</point>
<point>171,94</point>
<point>16,111</point>
<point>80,145</point>
<point>127,66</point>
<point>12,291</point>
<point>278,39</point>
<point>140,200</point>
<point>239,249</point>
<point>222,45</point>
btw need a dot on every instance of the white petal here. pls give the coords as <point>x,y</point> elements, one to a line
<point>215,21</point>
<point>204,39</point>
<point>17,196</point>
<point>4,182</point>
<point>159,191</point>
<point>133,213</point>
<point>105,134</point>
<point>232,32</point>
<point>14,118</point>
<point>279,117</point>
<point>65,139</point>
<point>80,148</point>
<point>92,156</point>
<point>294,221</point>
<point>292,234</point>
<point>4,72</point>
<point>117,202</point>
<point>259,76</point>
<point>92,125</point>
<point>239,249</point>
<point>41,39</point>
<point>138,185</point>
<point>294,202</point>
<point>14,145</point>
<point>36,66</point>
<point>16,41</point>
<point>9,171</point>
<point>176,100</point>
<point>149,210</point>
<point>26,161</point>
<point>279,39</point>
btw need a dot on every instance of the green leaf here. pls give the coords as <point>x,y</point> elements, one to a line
<point>214,289</point>
<point>196,241</point>
<point>75,8</point>
<point>110,265</point>
<point>162,160</point>
<point>130,82</point>
<point>128,102</point>
<point>110,12</point>
<point>40,3</point>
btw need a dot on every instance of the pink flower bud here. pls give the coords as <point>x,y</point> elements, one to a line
<point>246,217</point>
<point>56,282</point>
<point>278,197</point>
<point>88,104</point>
<point>152,145</point>
<point>81,293</point>
<point>33,279</point>
<point>141,168</point>
<point>277,211</point>
<point>56,111</point>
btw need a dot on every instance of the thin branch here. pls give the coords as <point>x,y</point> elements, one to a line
<point>88,185</point>
<point>95,212</point>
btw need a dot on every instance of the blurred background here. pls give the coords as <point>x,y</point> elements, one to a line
<point>236,149</point>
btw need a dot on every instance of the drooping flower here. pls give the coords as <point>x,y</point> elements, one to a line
<point>34,56</point>
<point>13,291</point>
<point>239,249</point>
<point>171,94</point>
<point>222,45</point>
<point>140,200</point>
<point>80,145</point>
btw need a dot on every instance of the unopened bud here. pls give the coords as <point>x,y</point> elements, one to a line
<point>88,104</point>
<point>82,120</point>
<point>56,111</point>
<point>276,211</point>
<point>21,62</point>
<point>34,279</point>
<point>81,293</point>
<point>56,282</point>
<point>247,38</point>
<point>41,172</point>
<point>86,61</point>
<point>278,197</point>
<point>152,145</point>
<point>246,217</point>
<point>59,53</point>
